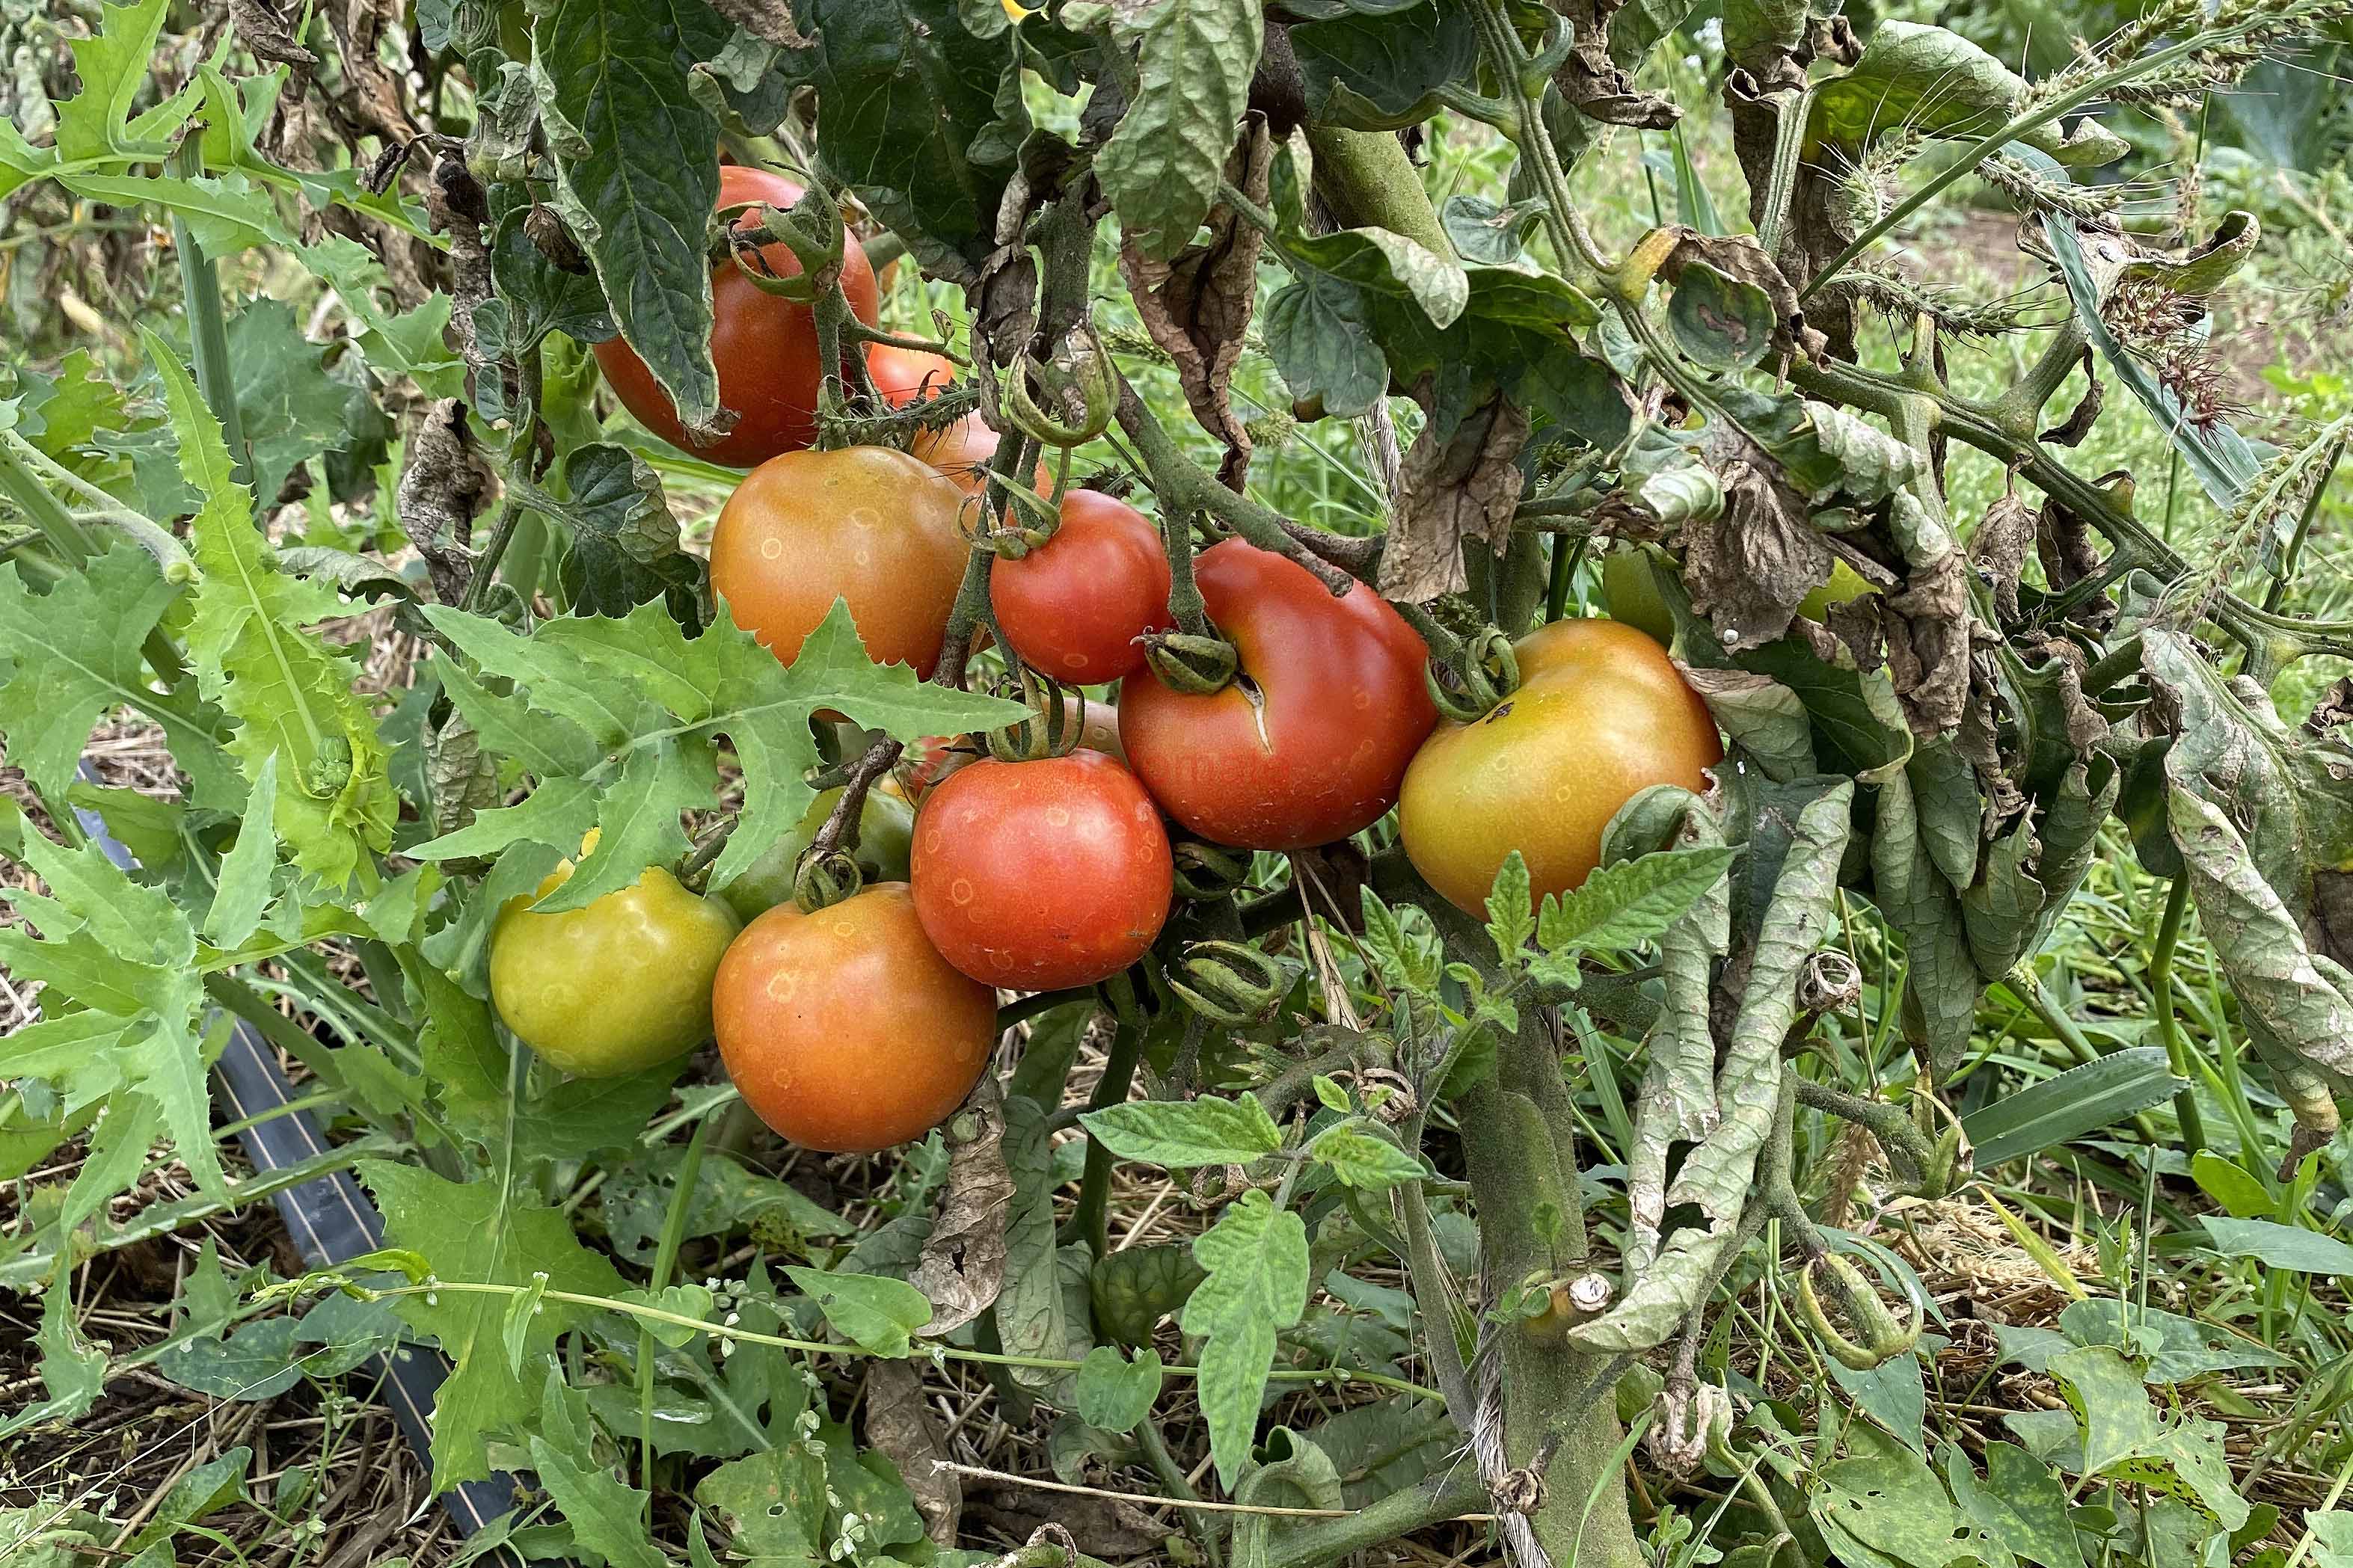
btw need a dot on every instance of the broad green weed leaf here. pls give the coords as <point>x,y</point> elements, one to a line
<point>112,66</point>
<point>244,889</point>
<point>1113,1393</point>
<point>607,1516</point>
<point>875,1314</point>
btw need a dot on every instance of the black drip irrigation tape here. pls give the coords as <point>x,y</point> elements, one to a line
<point>330,1220</point>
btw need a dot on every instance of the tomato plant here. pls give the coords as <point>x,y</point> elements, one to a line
<point>1429,1075</point>
<point>765,346</point>
<point>844,1029</point>
<point>865,525</point>
<point>1078,607</point>
<point>1038,875</point>
<point>1311,740</point>
<point>1599,716</point>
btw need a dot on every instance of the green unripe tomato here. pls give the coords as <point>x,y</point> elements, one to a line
<point>886,835</point>
<point>1845,583</point>
<point>1629,589</point>
<point>614,988</point>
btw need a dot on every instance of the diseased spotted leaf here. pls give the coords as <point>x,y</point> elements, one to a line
<point>1161,167</point>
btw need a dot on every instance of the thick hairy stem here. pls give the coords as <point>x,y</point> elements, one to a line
<point>1319,1541</point>
<point>1906,1146</point>
<point>1367,181</point>
<point>2168,1024</point>
<point>1185,488</point>
<point>1088,1216</point>
<point>839,834</point>
<point>2020,409</point>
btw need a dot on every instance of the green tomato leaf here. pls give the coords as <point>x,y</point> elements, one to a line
<point>1255,1258</point>
<point>472,1232</point>
<point>625,547</point>
<point>1162,166</point>
<point>1630,902</point>
<point>1361,1158</point>
<point>1185,1133</point>
<point>1382,71</point>
<point>73,653</point>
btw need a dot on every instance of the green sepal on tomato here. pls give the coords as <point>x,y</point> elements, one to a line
<point>616,986</point>
<point>763,347</point>
<point>844,1029</point>
<point>1310,742</point>
<point>1600,715</point>
<point>886,831</point>
<point>1042,875</point>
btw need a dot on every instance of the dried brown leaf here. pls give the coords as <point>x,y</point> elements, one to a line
<point>1928,644</point>
<point>1450,492</point>
<point>1749,567</point>
<point>900,1424</point>
<point>962,1266</point>
<point>2004,536</point>
<point>1197,307</point>
<point>443,486</point>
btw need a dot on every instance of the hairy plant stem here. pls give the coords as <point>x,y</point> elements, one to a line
<point>1184,488</point>
<point>209,328</point>
<point>1790,111</point>
<point>1908,1148</point>
<point>674,1234</point>
<point>1314,1542</point>
<point>2047,112</point>
<point>1090,1215</point>
<point>2169,1023</point>
<point>1202,1527</point>
<point>1366,180</point>
<point>1835,381</point>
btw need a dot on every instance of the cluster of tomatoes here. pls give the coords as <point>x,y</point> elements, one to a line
<point>865,1022</point>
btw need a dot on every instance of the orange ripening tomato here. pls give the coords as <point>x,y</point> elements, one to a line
<point>763,347</point>
<point>1311,740</point>
<point>905,375</point>
<point>1600,716</point>
<point>1074,606</point>
<point>866,524</point>
<point>845,1030</point>
<point>1041,874</point>
<point>928,763</point>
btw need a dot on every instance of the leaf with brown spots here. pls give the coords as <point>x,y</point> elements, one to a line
<point>1450,492</point>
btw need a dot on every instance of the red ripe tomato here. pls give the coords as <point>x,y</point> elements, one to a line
<point>764,348</point>
<point>1311,740</point>
<point>963,451</point>
<point>1074,608</point>
<point>866,524</point>
<point>1038,876</point>
<point>845,1030</point>
<point>905,376</point>
<point>1601,714</point>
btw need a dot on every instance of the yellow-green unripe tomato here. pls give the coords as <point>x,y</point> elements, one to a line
<point>886,835</point>
<point>616,986</point>
<point>1629,588</point>
<point>1845,583</point>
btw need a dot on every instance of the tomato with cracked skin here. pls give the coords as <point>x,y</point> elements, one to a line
<point>844,1029</point>
<point>616,986</point>
<point>866,524</point>
<point>1038,876</point>
<point>1600,715</point>
<point>1074,606</point>
<point>763,347</point>
<point>1310,742</point>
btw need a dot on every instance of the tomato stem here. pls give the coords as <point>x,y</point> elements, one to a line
<point>1089,1218</point>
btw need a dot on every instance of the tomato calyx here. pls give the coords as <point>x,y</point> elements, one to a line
<point>824,877</point>
<point>1479,678</point>
<point>1877,1337</point>
<point>1194,664</point>
<point>1057,721</point>
<point>1206,872</point>
<point>812,230</point>
<point>1079,376</point>
<point>1232,982</point>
